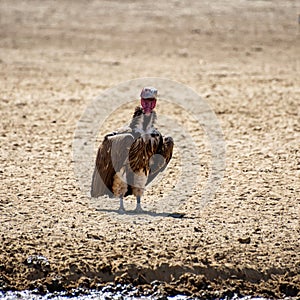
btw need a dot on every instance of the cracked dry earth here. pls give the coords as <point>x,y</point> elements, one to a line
<point>241,57</point>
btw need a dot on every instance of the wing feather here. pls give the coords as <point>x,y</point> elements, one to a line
<point>112,155</point>
<point>160,160</point>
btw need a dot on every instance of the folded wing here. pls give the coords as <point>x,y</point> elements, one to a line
<point>111,157</point>
<point>160,160</point>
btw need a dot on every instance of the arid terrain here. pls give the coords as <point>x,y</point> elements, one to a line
<point>241,57</point>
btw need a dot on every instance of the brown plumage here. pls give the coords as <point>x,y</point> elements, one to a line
<point>129,159</point>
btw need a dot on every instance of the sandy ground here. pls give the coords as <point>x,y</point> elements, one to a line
<point>242,57</point>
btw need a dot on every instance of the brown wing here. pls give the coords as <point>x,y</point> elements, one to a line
<point>160,160</point>
<point>141,151</point>
<point>112,155</point>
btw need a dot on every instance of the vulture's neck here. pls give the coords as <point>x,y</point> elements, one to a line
<point>141,123</point>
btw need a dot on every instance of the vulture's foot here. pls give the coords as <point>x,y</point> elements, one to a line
<point>138,208</point>
<point>121,210</point>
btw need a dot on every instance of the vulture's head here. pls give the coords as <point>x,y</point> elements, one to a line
<point>148,99</point>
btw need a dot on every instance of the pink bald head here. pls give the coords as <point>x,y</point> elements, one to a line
<point>148,99</point>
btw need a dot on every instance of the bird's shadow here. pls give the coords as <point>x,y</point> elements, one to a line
<point>144,212</point>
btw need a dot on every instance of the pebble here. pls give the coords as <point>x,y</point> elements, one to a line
<point>38,261</point>
<point>245,240</point>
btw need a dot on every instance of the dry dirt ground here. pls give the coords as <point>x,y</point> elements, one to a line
<point>242,57</point>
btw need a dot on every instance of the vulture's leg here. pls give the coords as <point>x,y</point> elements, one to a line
<point>121,208</point>
<point>138,190</point>
<point>138,204</point>
<point>119,189</point>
